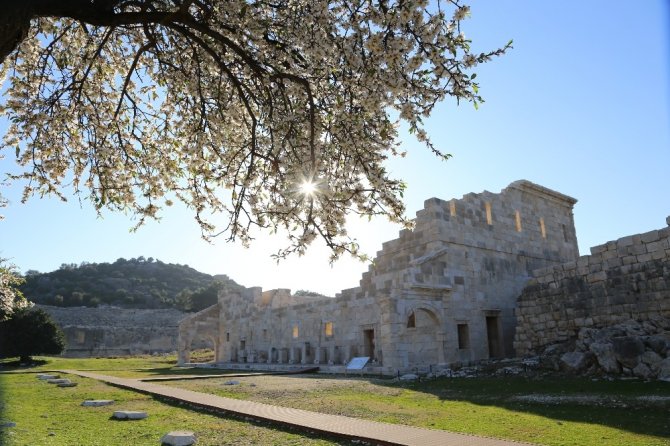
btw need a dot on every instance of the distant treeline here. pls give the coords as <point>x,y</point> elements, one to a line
<point>135,283</point>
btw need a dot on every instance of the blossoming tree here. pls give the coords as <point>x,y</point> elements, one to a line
<point>277,114</point>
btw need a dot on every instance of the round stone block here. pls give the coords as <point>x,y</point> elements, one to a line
<point>97,403</point>
<point>129,415</point>
<point>178,438</point>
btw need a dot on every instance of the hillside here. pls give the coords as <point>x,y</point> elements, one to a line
<point>134,283</point>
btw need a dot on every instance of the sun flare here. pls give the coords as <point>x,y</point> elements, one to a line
<point>308,188</point>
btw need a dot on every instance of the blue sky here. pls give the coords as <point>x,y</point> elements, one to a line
<point>581,105</point>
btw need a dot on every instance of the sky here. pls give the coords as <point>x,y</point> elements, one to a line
<point>580,105</point>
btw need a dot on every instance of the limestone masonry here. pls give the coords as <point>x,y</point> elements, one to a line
<point>623,280</point>
<point>440,294</point>
<point>116,331</point>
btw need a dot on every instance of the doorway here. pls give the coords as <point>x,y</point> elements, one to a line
<point>493,334</point>
<point>369,343</point>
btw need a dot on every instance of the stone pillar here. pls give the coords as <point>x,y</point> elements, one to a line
<point>317,356</point>
<point>291,359</point>
<point>270,355</point>
<point>304,353</point>
<point>334,355</point>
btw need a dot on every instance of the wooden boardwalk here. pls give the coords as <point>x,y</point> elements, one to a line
<point>334,425</point>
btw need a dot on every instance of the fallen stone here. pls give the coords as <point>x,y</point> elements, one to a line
<point>232,382</point>
<point>58,381</point>
<point>605,357</point>
<point>178,438</point>
<point>574,362</point>
<point>129,415</point>
<point>664,370</point>
<point>409,377</point>
<point>642,371</point>
<point>70,384</point>
<point>7,424</point>
<point>97,403</point>
<point>627,350</point>
<point>45,376</point>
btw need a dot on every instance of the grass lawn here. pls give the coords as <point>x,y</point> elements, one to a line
<point>49,415</point>
<point>547,412</point>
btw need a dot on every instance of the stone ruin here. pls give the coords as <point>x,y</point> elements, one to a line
<point>441,294</point>
<point>487,276</point>
<point>604,313</point>
<point>110,331</point>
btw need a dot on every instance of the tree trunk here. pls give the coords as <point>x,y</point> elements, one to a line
<point>14,26</point>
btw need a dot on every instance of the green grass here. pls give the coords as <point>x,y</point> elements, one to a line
<point>614,415</point>
<point>608,413</point>
<point>49,415</point>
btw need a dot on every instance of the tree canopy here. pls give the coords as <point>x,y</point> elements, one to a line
<point>259,114</point>
<point>11,298</point>
<point>30,332</point>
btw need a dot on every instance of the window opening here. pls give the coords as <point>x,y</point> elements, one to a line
<point>542,228</point>
<point>489,218</point>
<point>517,218</point>
<point>328,329</point>
<point>411,321</point>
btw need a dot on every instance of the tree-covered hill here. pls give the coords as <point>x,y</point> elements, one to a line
<point>135,283</point>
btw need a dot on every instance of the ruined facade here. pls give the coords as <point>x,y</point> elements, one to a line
<point>622,280</point>
<point>91,332</point>
<point>442,293</point>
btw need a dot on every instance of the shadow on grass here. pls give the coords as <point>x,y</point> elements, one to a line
<point>632,406</point>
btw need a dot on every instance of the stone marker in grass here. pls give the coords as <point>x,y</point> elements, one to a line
<point>7,424</point>
<point>178,438</point>
<point>70,384</point>
<point>129,415</point>
<point>45,376</point>
<point>58,381</point>
<point>97,403</point>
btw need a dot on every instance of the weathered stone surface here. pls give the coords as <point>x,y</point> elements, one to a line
<point>59,381</point>
<point>605,356</point>
<point>44,376</point>
<point>664,370</point>
<point>129,415</point>
<point>575,362</point>
<point>70,384</point>
<point>409,377</point>
<point>658,343</point>
<point>642,371</point>
<point>178,438</point>
<point>97,403</point>
<point>627,350</point>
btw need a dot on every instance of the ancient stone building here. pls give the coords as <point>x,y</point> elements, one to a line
<point>442,293</point>
<point>116,331</point>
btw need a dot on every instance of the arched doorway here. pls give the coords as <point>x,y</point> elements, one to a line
<point>424,337</point>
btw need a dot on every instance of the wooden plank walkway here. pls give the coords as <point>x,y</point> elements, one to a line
<point>334,425</point>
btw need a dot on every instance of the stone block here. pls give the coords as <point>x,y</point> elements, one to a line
<point>97,403</point>
<point>129,415</point>
<point>178,438</point>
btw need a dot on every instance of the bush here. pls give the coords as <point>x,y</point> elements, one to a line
<point>30,332</point>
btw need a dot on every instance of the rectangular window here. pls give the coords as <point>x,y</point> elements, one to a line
<point>489,218</point>
<point>565,233</point>
<point>328,329</point>
<point>517,218</point>
<point>227,337</point>
<point>452,208</point>
<point>296,331</point>
<point>265,334</point>
<point>542,229</point>
<point>463,336</point>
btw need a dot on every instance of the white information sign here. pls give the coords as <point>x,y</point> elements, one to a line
<point>358,363</point>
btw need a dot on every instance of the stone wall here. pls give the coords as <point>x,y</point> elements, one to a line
<point>626,279</point>
<point>441,293</point>
<point>116,331</point>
